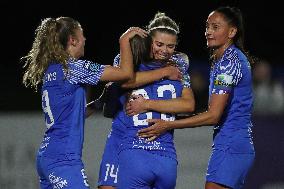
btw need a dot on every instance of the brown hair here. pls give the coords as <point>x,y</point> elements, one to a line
<point>49,45</point>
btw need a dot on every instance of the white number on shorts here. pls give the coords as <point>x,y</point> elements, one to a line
<point>111,172</point>
<point>85,177</point>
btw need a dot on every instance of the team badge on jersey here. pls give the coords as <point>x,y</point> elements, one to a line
<point>92,66</point>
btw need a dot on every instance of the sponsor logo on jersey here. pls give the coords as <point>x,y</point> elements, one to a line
<point>224,80</point>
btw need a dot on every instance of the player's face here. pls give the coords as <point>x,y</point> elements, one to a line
<point>218,32</point>
<point>79,44</point>
<point>163,45</point>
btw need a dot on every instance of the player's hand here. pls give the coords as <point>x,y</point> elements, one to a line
<point>173,73</point>
<point>131,32</point>
<point>136,105</point>
<point>159,127</point>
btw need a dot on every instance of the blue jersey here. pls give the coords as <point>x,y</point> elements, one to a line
<point>109,163</point>
<point>159,90</point>
<point>232,75</point>
<point>180,61</point>
<point>63,102</point>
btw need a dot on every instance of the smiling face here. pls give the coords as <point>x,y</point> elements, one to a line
<point>219,33</point>
<point>163,45</point>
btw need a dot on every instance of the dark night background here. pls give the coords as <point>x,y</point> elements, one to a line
<point>103,23</point>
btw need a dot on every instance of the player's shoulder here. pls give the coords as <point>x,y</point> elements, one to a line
<point>231,54</point>
<point>230,62</point>
<point>183,56</point>
<point>182,60</point>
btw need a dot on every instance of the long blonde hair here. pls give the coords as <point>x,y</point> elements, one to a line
<point>49,46</point>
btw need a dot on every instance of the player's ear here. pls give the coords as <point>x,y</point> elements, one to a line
<point>232,32</point>
<point>72,40</point>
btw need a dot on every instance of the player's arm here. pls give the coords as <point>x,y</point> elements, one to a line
<point>146,77</point>
<point>169,72</point>
<point>183,104</point>
<point>211,117</point>
<point>125,70</point>
<point>228,75</point>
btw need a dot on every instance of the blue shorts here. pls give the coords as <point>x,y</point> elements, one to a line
<point>109,163</point>
<point>229,169</point>
<point>61,173</point>
<point>141,169</point>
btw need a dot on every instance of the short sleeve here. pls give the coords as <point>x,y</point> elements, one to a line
<point>116,61</point>
<point>228,73</point>
<point>84,72</point>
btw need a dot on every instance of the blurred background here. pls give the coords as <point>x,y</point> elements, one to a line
<point>21,121</point>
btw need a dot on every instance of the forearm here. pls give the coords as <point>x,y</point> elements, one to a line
<point>183,104</point>
<point>202,119</point>
<point>126,60</point>
<point>143,78</point>
<point>179,105</point>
